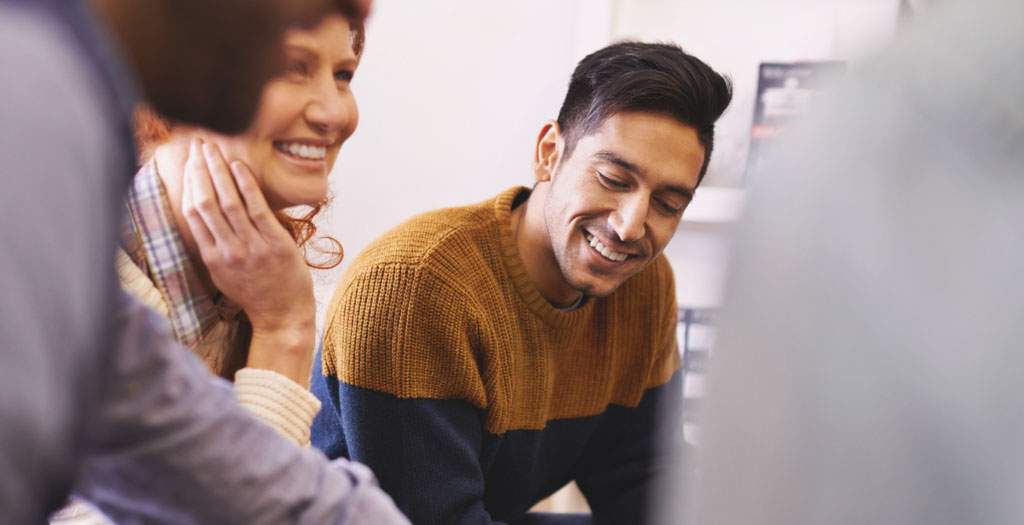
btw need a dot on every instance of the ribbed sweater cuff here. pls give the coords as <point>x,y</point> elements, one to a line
<point>278,402</point>
<point>77,512</point>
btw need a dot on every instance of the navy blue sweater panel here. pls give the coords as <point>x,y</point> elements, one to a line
<point>435,459</point>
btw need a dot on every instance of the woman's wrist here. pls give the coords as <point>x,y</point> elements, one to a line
<point>287,350</point>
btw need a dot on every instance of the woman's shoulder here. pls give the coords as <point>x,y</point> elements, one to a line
<point>135,281</point>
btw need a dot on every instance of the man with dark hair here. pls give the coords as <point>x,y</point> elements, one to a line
<point>484,356</point>
<point>95,394</point>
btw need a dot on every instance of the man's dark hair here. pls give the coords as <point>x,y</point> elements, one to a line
<point>637,76</point>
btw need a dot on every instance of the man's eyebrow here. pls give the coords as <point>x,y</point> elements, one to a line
<point>613,158</point>
<point>683,191</point>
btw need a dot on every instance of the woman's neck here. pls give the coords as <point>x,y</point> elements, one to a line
<point>170,159</point>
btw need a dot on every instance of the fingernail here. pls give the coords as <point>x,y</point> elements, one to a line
<point>236,168</point>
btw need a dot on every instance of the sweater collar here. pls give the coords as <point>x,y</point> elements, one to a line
<point>525,286</point>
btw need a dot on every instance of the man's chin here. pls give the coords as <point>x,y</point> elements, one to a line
<point>596,288</point>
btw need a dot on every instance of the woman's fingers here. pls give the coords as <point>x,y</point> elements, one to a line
<point>259,211</point>
<point>271,281</point>
<point>204,239</point>
<point>230,202</point>
<point>205,208</point>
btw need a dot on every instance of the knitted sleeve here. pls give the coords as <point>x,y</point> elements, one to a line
<point>278,402</point>
<point>398,355</point>
<point>400,329</point>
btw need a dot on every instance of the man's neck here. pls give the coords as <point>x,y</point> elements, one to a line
<point>535,250</point>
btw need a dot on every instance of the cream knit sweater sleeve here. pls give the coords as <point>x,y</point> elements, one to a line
<point>278,402</point>
<point>271,397</point>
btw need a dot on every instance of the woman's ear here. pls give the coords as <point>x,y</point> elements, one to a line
<point>547,152</point>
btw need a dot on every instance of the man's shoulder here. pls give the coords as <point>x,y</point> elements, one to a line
<point>448,238</point>
<point>400,320</point>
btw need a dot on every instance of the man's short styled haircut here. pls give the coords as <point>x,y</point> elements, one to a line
<point>644,77</point>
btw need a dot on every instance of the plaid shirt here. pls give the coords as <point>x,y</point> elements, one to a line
<point>152,241</point>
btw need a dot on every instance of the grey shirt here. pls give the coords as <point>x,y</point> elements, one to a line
<point>870,366</point>
<point>94,392</point>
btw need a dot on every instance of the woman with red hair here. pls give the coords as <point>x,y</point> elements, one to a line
<point>219,248</point>
<point>212,239</point>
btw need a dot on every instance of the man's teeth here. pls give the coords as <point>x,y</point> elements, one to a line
<point>603,250</point>
<point>305,151</point>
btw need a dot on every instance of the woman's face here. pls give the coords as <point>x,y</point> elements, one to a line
<point>303,118</point>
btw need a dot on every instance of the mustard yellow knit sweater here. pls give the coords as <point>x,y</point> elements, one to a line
<point>472,398</point>
<point>442,308</point>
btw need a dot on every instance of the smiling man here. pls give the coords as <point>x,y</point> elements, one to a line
<point>479,358</point>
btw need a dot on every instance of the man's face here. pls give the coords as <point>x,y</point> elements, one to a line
<point>615,203</point>
<point>205,63</point>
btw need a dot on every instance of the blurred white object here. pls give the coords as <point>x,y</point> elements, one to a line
<point>869,361</point>
<point>715,205</point>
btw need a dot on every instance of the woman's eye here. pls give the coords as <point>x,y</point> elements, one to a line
<point>344,75</point>
<point>297,68</point>
<point>611,183</point>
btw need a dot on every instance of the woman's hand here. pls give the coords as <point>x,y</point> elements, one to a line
<point>251,259</point>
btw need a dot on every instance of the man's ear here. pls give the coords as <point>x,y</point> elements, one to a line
<point>547,152</point>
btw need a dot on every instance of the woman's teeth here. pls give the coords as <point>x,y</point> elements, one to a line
<point>304,151</point>
<point>604,250</point>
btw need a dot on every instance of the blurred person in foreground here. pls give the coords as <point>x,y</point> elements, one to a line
<point>94,392</point>
<point>869,368</point>
<point>479,358</point>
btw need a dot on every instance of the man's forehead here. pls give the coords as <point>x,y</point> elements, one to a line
<point>648,145</point>
<point>634,126</point>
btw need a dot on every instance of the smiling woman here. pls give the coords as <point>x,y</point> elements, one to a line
<point>304,116</point>
<point>209,243</point>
